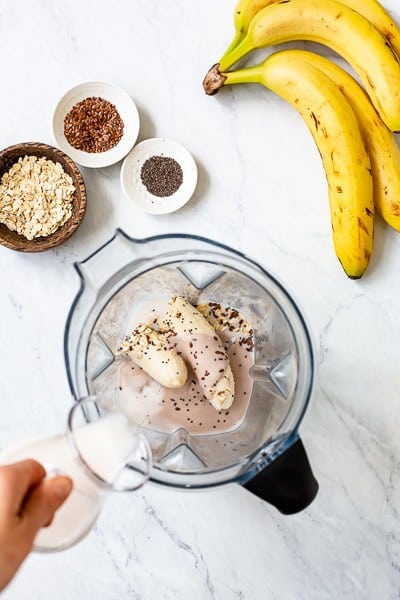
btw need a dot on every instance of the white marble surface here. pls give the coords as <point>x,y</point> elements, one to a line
<point>261,190</point>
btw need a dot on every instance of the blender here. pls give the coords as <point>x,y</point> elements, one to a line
<point>264,453</point>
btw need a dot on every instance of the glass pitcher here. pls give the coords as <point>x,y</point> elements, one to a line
<point>102,452</point>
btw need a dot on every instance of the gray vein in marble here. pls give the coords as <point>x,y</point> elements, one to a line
<point>341,411</point>
<point>129,548</point>
<point>198,560</point>
<point>16,306</point>
<point>240,595</point>
<point>293,545</point>
<point>340,308</point>
<point>181,7</point>
<point>131,591</point>
<point>59,18</point>
<point>209,584</point>
<point>290,253</point>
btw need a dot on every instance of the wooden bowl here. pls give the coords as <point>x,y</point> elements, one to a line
<point>13,240</point>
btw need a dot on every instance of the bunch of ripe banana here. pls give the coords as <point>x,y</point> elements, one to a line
<point>351,127</point>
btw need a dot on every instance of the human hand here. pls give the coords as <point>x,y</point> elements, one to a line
<point>27,503</point>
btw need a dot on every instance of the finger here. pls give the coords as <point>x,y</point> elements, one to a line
<point>43,502</point>
<point>16,480</point>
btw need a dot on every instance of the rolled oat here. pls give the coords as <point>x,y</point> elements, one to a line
<point>36,196</point>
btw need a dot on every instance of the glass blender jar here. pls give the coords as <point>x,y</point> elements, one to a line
<point>265,453</point>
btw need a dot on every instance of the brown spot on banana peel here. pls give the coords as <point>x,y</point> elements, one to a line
<point>314,118</point>
<point>371,83</point>
<point>362,226</point>
<point>213,81</point>
<point>335,171</point>
<point>396,209</point>
<point>388,35</point>
<point>369,212</point>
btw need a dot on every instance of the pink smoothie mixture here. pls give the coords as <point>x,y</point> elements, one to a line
<point>167,410</point>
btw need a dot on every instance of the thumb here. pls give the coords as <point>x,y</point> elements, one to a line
<point>43,502</point>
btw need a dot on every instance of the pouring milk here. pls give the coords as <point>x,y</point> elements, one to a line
<point>105,447</point>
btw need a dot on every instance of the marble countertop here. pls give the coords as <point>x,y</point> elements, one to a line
<point>261,190</point>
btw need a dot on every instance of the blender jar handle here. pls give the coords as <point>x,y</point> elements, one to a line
<point>100,266</point>
<point>288,482</point>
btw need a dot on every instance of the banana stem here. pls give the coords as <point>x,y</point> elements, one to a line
<point>231,58</point>
<point>248,75</point>
<point>215,80</point>
<point>235,42</point>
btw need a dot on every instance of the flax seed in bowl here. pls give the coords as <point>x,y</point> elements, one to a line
<point>42,197</point>
<point>96,123</point>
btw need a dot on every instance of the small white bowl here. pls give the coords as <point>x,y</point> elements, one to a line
<point>135,190</point>
<point>128,113</point>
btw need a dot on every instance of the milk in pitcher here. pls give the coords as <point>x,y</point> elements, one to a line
<point>105,447</point>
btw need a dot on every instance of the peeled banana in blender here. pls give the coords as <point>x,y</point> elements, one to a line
<point>149,349</point>
<point>186,321</point>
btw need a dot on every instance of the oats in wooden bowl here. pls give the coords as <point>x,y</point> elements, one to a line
<point>42,197</point>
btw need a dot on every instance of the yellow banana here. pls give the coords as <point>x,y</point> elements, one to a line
<point>245,10</point>
<point>382,146</point>
<point>336,132</point>
<point>342,29</point>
